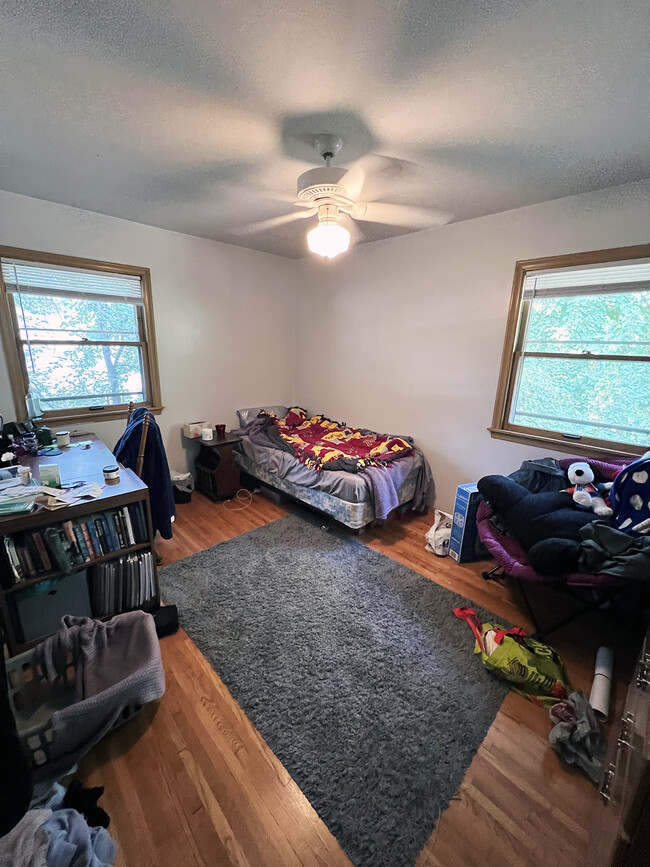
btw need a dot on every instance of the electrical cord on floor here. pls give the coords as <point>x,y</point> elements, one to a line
<point>243,496</point>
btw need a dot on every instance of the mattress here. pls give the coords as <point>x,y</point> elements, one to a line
<point>351,487</point>
<point>344,496</point>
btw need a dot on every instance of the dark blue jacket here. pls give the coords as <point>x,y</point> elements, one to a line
<point>155,469</point>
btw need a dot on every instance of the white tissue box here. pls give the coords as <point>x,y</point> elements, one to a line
<point>193,429</point>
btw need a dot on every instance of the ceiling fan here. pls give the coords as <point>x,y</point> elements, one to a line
<point>332,192</point>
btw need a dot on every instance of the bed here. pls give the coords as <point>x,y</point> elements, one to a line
<point>374,490</point>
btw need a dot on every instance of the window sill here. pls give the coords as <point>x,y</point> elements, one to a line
<point>567,445</point>
<point>107,414</point>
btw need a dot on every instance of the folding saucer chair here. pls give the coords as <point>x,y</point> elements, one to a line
<point>594,592</point>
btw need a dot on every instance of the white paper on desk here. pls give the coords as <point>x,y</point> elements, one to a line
<point>54,498</point>
<point>51,498</point>
<point>22,492</point>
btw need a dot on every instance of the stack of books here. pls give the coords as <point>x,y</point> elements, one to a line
<point>70,544</point>
<point>121,584</point>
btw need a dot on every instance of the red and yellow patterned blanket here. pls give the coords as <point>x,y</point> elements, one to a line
<point>320,443</point>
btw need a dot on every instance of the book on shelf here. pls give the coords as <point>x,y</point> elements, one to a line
<point>119,530</point>
<point>14,569</point>
<point>81,542</point>
<point>67,545</point>
<point>122,584</point>
<point>42,550</point>
<point>128,526</point>
<point>87,540</point>
<point>94,537</point>
<point>73,542</point>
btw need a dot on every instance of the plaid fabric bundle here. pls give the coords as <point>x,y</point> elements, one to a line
<point>321,443</point>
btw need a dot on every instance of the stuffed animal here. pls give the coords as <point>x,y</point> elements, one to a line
<point>545,525</point>
<point>585,492</point>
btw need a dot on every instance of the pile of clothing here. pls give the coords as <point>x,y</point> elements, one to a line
<point>54,834</point>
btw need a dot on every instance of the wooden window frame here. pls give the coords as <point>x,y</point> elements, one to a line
<point>17,370</point>
<point>501,427</point>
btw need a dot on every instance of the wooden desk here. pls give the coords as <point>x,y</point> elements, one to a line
<point>75,464</point>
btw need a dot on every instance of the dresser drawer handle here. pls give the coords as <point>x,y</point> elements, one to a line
<point>605,790</point>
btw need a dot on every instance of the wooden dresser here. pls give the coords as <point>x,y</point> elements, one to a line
<point>621,827</point>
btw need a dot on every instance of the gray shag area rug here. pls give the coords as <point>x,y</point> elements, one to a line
<point>352,667</point>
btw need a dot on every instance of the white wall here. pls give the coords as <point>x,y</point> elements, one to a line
<point>402,335</point>
<point>405,335</point>
<point>224,315</point>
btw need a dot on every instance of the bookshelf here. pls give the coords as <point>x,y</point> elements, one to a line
<point>96,555</point>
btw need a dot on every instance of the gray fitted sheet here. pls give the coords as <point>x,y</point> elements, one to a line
<point>350,487</point>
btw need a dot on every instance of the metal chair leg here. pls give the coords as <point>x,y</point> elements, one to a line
<point>493,574</point>
<point>596,604</point>
<point>529,608</point>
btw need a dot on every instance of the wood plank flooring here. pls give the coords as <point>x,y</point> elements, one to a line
<point>191,781</point>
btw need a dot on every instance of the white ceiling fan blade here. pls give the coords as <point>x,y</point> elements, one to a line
<point>399,215</point>
<point>274,222</point>
<point>371,168</point>
<point>354,179</point>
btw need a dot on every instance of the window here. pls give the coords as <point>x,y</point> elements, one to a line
<point>78,334</point>
<point>576,359</point>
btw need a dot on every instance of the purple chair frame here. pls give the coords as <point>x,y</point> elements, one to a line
<point>512,561</point>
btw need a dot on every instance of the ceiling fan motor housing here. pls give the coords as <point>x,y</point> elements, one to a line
<point>322,185</point>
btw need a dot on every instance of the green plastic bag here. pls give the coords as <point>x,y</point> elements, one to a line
<point>533,669</point>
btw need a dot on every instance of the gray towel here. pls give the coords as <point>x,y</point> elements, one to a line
<point>118,664</point>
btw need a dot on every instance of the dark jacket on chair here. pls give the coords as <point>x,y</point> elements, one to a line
<point>155,469</point>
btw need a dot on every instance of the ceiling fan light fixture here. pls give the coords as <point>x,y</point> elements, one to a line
<point>328,239</point>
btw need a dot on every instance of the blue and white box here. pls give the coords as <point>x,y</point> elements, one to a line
<point>462,544</point>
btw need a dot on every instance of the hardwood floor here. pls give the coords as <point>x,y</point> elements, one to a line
<point>191,781</point>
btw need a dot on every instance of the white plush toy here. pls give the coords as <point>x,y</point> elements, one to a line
<point>585,493</point>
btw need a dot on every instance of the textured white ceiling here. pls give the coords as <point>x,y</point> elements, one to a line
<point>190,114</point>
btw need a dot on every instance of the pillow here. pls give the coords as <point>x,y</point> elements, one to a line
<point>249,414</point>
<point>295,416</point>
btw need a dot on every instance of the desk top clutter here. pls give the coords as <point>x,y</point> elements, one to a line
<point>83,461</point>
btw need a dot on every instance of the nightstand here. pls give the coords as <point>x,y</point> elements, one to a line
<point>217,473</point>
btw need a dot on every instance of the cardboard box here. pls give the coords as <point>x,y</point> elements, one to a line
<point>464,533</point>
<point>193,429</point>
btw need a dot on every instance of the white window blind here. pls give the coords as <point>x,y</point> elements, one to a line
<point>582,362</point>
<point>36,279</point>
<point>588,280</point>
